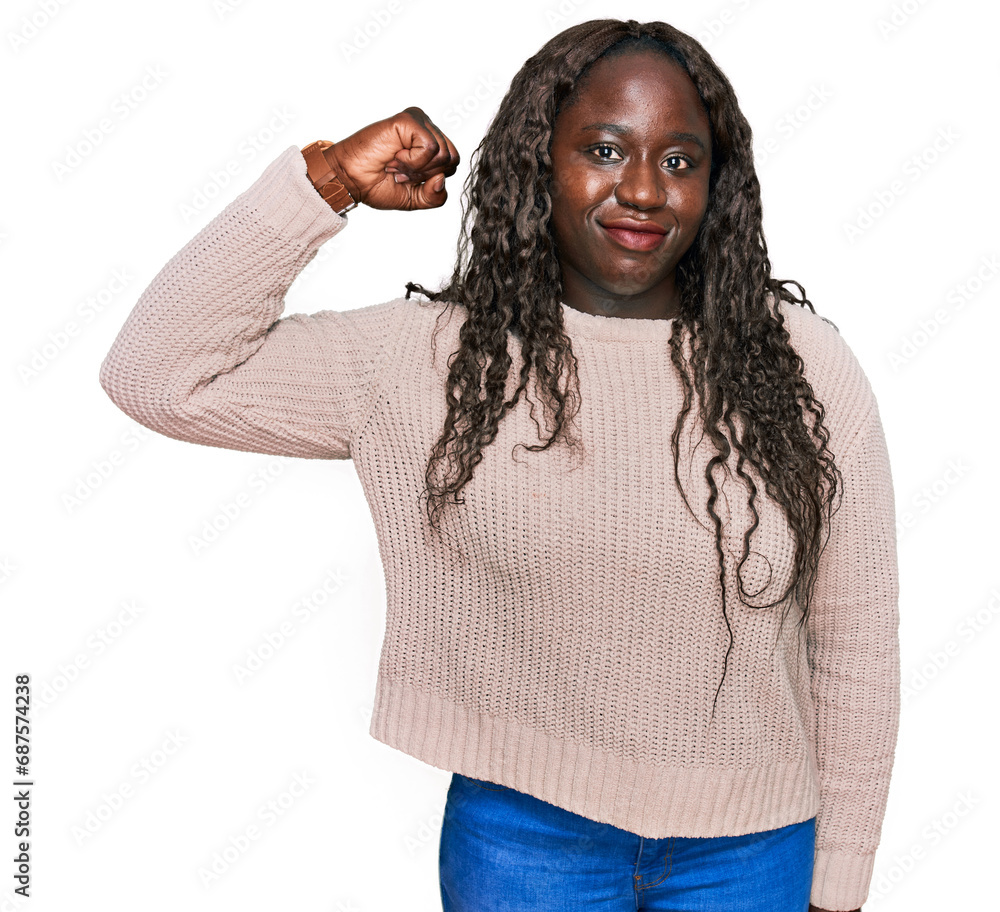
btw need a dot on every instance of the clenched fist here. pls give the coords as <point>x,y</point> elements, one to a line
<point>400,162</point>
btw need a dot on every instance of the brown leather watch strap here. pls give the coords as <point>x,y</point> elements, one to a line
<point>325,179</point>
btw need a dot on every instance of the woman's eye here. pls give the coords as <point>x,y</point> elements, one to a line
<point>674,162</point>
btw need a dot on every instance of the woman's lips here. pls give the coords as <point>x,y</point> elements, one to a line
<point>635,240</point>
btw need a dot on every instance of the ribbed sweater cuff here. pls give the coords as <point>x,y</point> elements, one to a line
<point>840,881</point>
<point>284,197</point>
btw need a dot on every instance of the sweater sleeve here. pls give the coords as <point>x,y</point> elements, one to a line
<point>853,650</point>
<point>203,356</point>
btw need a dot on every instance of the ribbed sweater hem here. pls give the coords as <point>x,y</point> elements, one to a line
<point>285,198</point>
<point>841,880</point>
<point>657,800</point>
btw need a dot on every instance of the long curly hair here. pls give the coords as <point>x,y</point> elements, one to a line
<point>738,362</point>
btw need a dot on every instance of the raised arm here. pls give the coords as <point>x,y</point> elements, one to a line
<point>205,356</point>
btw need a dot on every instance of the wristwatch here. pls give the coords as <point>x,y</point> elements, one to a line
<point>325,179</point>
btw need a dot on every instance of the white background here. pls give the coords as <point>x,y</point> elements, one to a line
<point>77,545</point>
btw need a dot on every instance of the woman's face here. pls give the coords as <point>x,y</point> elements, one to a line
<point>634,146</point>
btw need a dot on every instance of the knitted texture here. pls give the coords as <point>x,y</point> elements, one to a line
<point>564,635</point>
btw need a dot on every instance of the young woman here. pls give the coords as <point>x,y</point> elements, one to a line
<point>661,660</point>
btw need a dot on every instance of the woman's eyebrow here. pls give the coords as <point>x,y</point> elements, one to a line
<point>625,131</point>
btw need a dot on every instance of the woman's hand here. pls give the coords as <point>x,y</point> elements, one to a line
<point>396,163</point>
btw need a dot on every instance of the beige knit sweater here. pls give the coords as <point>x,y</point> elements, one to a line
<point>566,637</point>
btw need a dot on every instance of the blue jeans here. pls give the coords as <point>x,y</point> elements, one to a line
<point>504,851</point>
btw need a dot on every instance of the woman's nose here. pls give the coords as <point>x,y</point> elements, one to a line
<point>641,185</point>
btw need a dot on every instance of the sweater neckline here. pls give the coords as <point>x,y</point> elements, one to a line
<point>614,329</point>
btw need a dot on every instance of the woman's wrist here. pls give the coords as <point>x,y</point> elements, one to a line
<point>330,154</point>
<point>329,178</point>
